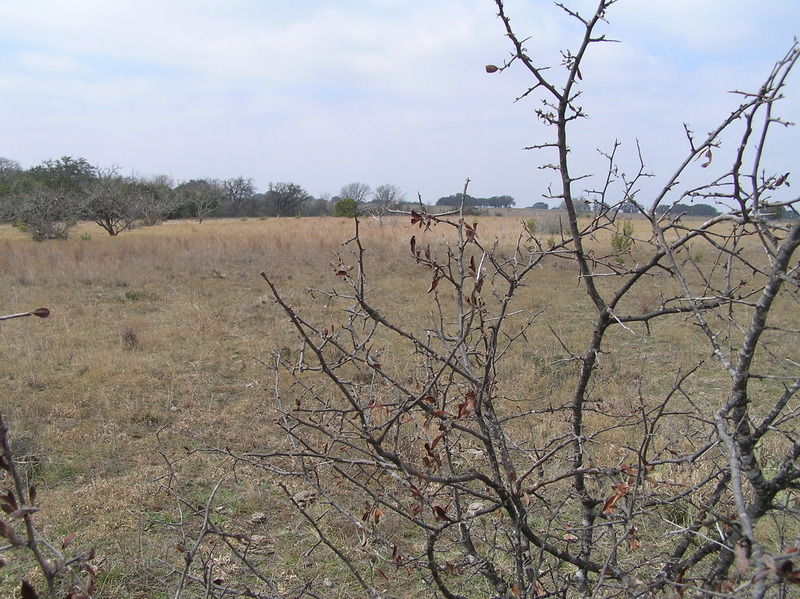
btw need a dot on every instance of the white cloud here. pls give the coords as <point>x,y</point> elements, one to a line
<point>324,92</point>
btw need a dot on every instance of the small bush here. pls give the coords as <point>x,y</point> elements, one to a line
<point>130,339</point>
<point>138,296</point>
<point>346,208</point>
<point>622,241</point>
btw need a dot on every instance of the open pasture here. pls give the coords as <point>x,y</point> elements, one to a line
<point>160,345</point>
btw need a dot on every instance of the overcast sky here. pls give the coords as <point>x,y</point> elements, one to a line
<point>327,92</point>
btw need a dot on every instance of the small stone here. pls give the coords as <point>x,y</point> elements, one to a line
<point>258,518</point>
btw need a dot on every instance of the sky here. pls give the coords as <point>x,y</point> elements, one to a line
<point>323,93</point>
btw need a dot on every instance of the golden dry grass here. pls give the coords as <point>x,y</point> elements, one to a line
<point>166,330</point>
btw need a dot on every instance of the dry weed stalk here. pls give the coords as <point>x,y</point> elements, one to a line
<point>19,504</point>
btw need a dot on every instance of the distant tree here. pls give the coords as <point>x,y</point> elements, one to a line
<point>68,174</point>
<point>582,205</point>
<point>10,171</point>
<point>689,209</point>
<point>454,200</point>
<point>9,168</point>
<point>504,201</point>
<point>540,206</point>
<point>237,196</point>
<point>48,199</point>
<point>202,197</point>
<point>112,201</point>
<point>385,198</point>
<point>356,191</point>
<point>156,198</point>
<point>322,206</point>
<point>778,211</point>
<point>285,199</point>
<point>315,207</point>
<point>346,207</point>
<point>41,211</point>
<point>388,195</point>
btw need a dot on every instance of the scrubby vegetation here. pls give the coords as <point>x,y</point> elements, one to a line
<point>600,404</point>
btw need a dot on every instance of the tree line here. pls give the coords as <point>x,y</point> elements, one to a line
<point>47,200</point>
<point>504,201</point>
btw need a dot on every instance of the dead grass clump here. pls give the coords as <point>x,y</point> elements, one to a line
<point>130,339</point>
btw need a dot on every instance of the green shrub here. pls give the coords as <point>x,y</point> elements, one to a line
<point>346,207</point>
<point>622,241</point>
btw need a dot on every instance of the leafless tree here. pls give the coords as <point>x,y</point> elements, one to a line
<point>112,201</point>
<point>42,211</point>
<point>201,196</point>
<point>355,191</point>
<point>156,198</point>
<point>385,199</point>
<point>409,438</point>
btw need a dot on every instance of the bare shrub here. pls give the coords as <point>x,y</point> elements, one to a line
<point>429,466</point>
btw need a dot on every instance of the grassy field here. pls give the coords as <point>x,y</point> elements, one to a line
<point>157,349</point>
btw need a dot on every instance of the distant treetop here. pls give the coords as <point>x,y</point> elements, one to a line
<point>473,202</point>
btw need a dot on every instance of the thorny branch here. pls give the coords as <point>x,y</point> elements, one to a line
<point>426,459</point>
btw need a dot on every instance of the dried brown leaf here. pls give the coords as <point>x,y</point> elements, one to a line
<point>434,283</point>
<point>27,591</point>
<point>9,533</point>
<point>440,515</point>
<point>67,540</point>
<point>611,503</point>
<point>9,502</point>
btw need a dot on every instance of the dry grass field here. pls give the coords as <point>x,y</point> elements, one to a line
<point>159,347</point>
